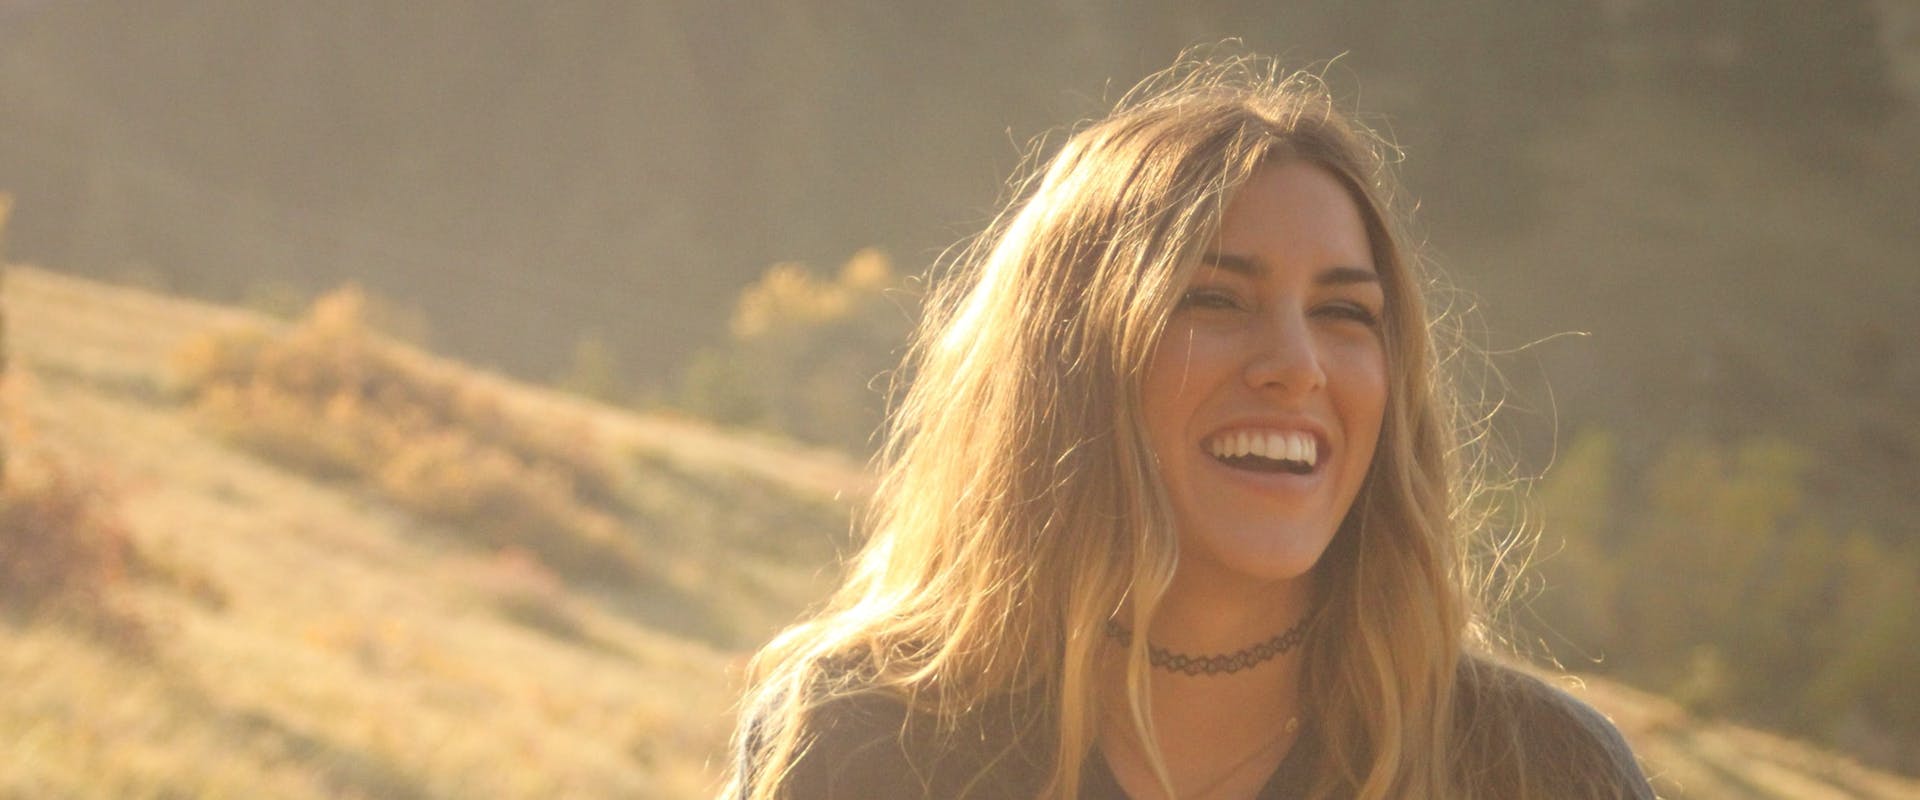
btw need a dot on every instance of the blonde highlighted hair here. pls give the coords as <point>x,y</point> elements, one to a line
<point>1020,509</point>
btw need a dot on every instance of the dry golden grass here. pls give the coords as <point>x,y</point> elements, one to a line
<point>331,397</point>
<point>1687,756</point>
<point>354,649</point>
<point>361,650</point>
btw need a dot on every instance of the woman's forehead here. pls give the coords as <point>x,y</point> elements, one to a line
<point>1291,213</point>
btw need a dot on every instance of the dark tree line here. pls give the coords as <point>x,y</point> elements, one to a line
<point>636,164</point>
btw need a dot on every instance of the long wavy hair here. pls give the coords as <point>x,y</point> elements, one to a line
<point>1020,508</point>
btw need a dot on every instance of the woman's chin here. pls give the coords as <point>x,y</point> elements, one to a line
<point>1260,558</point>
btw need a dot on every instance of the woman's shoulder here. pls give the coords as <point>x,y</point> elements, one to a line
<point>854,746</point>
<point>871,744</point>
<point>1498,691</point>
<point>1523,730</point>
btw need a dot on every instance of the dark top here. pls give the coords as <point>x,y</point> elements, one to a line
<point>869,747</point>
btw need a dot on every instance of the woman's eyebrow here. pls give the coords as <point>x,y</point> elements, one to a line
<point>1232,263</point>
<point>1332,276</point>
<point>1343,276</point>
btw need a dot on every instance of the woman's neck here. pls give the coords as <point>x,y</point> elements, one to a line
<point>1234,724</point>
<point>1212,614</point>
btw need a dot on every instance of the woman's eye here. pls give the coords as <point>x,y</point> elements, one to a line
<point>1210,298</point>
<point>1352,311</point>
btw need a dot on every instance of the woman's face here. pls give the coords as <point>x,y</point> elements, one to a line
<point>1264,398</point>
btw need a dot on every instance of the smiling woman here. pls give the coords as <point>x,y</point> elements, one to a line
<point>1185,387</point>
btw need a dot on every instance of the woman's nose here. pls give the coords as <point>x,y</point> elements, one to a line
<point>1283,356</point>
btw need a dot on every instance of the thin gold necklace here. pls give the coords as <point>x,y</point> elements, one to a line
<point>1287,730</point>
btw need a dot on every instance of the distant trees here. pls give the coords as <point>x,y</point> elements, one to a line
<point>1781,63</point>
<point>1472,89</point>
<point>389,144</point>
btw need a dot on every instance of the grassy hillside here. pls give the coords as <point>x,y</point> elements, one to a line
<point>308,637</point>
<point>343,648</point>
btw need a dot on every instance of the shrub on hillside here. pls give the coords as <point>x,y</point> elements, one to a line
<point>808,356</point>
<point>331,398</point>
<point>65,549</point>
<point>62,541</point>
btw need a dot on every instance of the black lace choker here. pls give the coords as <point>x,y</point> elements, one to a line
<point>1228,664</point>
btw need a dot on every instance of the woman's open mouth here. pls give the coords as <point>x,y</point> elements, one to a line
<point>1295,452</point>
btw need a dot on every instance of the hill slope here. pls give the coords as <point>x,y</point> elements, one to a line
<point>337,646</point>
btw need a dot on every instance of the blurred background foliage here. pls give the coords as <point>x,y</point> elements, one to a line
<point>809,357</point>
<point>1707,574</point>
<point>1719,196</point>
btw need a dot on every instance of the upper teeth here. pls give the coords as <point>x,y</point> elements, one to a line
<point>1279,445</point>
